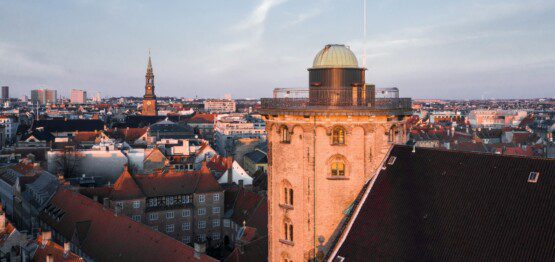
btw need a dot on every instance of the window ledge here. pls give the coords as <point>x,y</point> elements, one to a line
<point>338,178</point>
<point>285,142</point>
<point>287,242</point>
<point>334,144</point>
<point>286,206</point>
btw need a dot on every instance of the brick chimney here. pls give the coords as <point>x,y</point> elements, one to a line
<point>67,249</point>
<point>106,203</point>
<point>46,237</point>
<point>229,163</point>
<point>200,248</point>
<point>2,222</point>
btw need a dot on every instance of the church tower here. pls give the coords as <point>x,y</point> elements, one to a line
<point>324,144</point>
<point>149,99</point>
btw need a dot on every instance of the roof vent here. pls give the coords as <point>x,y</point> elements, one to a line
<point>533,177</point>
<point>339,259</point>
<point>391,160</point>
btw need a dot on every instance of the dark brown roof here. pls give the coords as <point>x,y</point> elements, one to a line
<point>437,205</point>
<point>106,237</point>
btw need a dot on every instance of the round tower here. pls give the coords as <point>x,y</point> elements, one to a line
<point>324,144</point>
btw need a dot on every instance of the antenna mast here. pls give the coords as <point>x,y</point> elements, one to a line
<point>364,37</point>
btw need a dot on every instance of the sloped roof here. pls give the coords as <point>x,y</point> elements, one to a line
<point>68,125</point>
<point>166,183</point>
<point>112,238</point>
<point>202,119</point>
<point>245,205</point>
<point>46,248</point>
<point>437,205</point>
<point>86,136</point>
<point>40,135</point>
<point>126,187</point>
<point>257,250</point>
<point>126,134</point>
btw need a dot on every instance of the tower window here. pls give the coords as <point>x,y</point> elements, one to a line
<point>338,136</point>
<point>288,196</point>
<point>338,169</point>
<point>288,231</point>
<point>285,136</point>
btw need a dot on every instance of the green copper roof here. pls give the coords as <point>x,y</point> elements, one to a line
<point>335,56</point>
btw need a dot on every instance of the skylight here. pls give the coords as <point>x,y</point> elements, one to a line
<point>391,160</point>
<point>533,177</point>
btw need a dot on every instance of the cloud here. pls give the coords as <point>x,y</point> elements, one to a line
<point>303,17</point>
<point>15,61</point>
<point>258,16</point>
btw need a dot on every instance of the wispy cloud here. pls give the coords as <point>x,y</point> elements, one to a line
<point>303,17</point>
<point>14,61</point>
<point>258,16</point>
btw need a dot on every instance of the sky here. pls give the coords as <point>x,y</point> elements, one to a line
<point>428,49</point>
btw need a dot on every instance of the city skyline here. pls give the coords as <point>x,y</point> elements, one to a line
<point>429,50</point>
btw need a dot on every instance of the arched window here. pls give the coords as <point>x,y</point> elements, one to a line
<point>285,136</point>
<point>338,136</point>
<point>338,169</point>
<point>288,231</point>
<point>287,193</point>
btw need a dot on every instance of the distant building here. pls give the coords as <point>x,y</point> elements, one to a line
<point>78,96</point>
<point>496,118</point>
<point>150,107</point>
<point>44,96</point>
<point>5,92</point>
<point>220,106</point>
<point>230,127</point>
<point>11,126</point>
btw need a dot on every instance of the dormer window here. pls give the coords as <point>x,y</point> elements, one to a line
<point>338,136</point>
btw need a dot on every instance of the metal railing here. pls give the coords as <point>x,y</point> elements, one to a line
<point>358,98</point>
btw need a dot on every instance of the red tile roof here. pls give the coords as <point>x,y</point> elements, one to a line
<point>56,251</point>
<point>165,183</point>
<point>126,187</point>
<point>202,119</point>
<point>86,136</point>
<point>106,237</point>
<point>220,163</point>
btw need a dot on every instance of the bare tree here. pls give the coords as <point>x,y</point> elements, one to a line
<point>68,162</point>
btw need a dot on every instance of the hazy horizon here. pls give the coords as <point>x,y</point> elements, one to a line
<point>429,50</point>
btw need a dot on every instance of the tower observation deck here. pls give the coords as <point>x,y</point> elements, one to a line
<point>336,86</point>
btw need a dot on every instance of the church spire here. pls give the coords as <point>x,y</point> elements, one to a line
<point>149,66</point>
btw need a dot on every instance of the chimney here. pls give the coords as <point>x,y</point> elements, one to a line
<point>117,210</point>
<point>46,237</point>
<point>49,258</point>
<point>229,163</point>
<point>67,248</point>
<point>106,203</point>
<point>241,183</point>
<point>2,222</point>
<point>200,248</point>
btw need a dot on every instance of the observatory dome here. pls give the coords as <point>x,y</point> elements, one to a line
<point>335,56</point>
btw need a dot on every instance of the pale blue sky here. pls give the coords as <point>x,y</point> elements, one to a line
<point>429,49</point>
